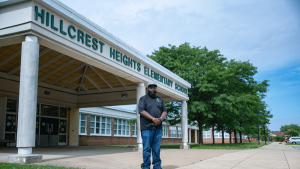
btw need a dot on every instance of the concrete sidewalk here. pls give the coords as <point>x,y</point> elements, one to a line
<point>272,156</point>
<point>93,157</point>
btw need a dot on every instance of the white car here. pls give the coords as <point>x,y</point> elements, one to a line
<point>294,140</point>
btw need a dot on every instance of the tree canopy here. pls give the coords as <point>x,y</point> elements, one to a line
<point>223,94</point>
<point>292,133</point>
<point>290,127</point>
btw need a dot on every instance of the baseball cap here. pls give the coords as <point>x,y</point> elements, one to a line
<point>152,84</point>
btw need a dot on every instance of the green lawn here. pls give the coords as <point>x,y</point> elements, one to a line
<point>27,166</point>
<point>238,146</point>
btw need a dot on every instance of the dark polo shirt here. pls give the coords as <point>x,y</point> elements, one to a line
<point>155,107</point>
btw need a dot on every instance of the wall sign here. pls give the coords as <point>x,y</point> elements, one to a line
<point>97,45</point>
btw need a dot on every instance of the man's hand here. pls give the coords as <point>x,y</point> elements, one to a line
<point>156,122</point>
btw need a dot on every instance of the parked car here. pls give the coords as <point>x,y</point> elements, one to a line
<point>294,140</point>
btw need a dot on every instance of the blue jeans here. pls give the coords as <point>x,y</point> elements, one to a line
<point>151,139</point>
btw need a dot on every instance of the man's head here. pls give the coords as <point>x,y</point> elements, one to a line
<point>152,89</point>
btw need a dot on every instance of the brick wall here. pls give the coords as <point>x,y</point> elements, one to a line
<point>106,140</point>
<point>113,140</point>
<point>74,127</point>
<point>91,140</point>
<point>112,126</point>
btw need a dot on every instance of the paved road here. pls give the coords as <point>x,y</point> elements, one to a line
<point>271,156</point>
<point>297,147</point>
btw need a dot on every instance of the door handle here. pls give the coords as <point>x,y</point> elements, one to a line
<point>47,127</point>
<point>51,127</point>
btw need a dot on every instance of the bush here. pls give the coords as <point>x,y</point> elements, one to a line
<point>279,138</point>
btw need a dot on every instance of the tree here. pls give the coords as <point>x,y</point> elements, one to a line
<point>199,67</point>
<point>223,94</point>
<point>131,121</point>
<point>290,126</point>
<point>292,133</point>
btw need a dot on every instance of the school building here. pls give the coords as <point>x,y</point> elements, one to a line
<point>99,126</point>
<point>54,61</point>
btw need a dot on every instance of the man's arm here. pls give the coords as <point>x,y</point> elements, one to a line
<point>148,116</point>
<point>163,116</point>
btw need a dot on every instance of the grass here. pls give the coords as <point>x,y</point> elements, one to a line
<point>227,146</point>
<point>27,166</point>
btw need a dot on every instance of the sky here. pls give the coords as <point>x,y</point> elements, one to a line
<point>267,33</point>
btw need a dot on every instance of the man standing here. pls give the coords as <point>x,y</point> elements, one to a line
<point>153,111</point>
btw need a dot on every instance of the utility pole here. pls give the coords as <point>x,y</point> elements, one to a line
<point>258,130</point>
<point>265,133</point>
<point>268,134</point>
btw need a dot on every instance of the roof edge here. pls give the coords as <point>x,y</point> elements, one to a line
<point>113,39</point>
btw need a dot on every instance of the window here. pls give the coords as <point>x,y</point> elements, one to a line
<point>100,125</point>
<point>10,136</point>
<point>219,134</point>
<point>133,129</point>
<point>165,131</point>
<point>63,112</point>
<point>82,124</point>
<point>206,133</point>
<point>11,123</point>
<point>237,135</point>
<point>179,132</point>
<point>121,127</point>
<point>11,105</point>
<point>48,110</point>
<point>173,132</point>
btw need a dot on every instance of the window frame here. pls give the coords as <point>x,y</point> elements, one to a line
<point>220,134</point>
<point>126,125</point>
<point>179,135</point>
<point>106,122</point>
<point>80,120</point>
<point>165,128</point>
<point>207,133</point>
<point>134,129</point>
<point>172,131</point>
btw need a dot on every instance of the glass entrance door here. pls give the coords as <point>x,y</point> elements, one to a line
<point>49,131</point>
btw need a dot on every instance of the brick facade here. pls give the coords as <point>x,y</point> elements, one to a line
<point>88,124</point>
<point>74,126</point>
<point>115,140</point>
<point>92,140</point>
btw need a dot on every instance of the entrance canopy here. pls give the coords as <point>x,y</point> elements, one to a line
<point>80,63</point>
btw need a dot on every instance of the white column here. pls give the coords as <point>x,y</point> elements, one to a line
<point>196,136</point>
<point>184,125</point>
<point>140,91</point>
<point>28,95</point>
<point>190,135</point>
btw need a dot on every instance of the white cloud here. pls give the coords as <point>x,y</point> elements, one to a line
<point>264,32</point>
